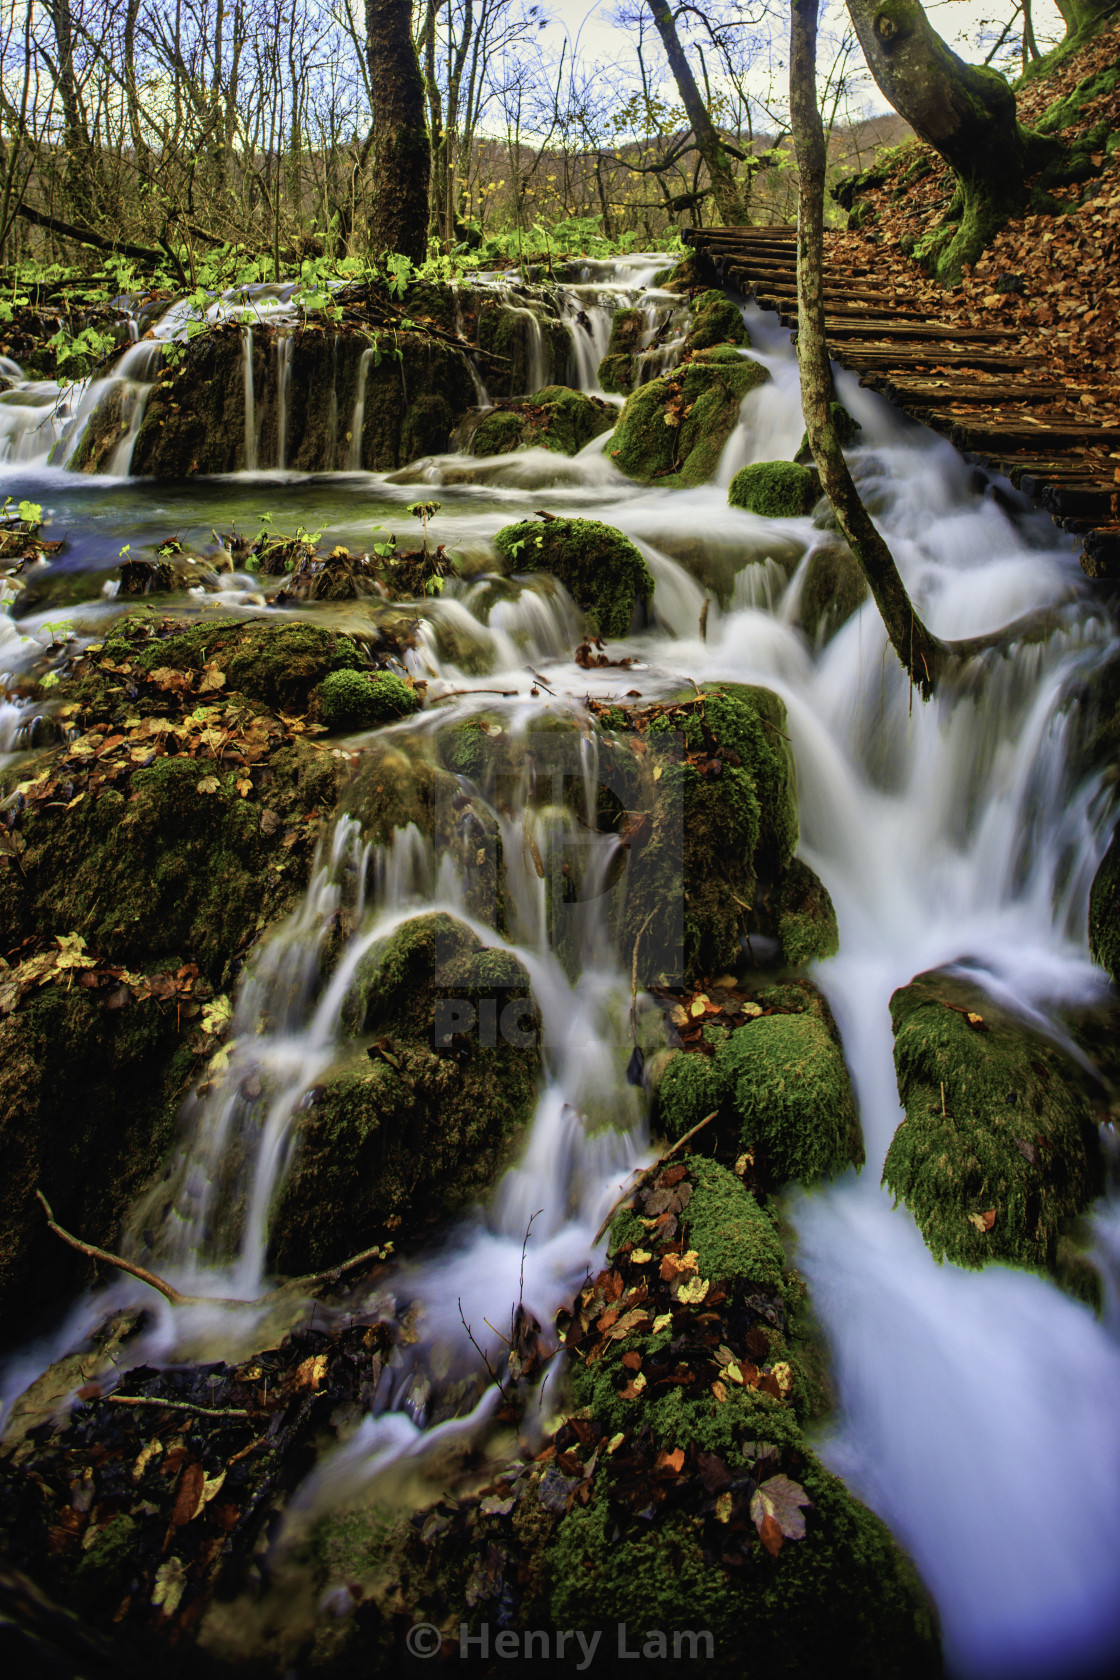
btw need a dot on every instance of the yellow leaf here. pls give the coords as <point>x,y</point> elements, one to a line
<point>723,1508</point>
<point>170,1584</point>
<point>733,1373</point>
<point>662,1322</point>
<point>719,1391</point>
<point>245,788</point>
<point>615,1442</point>
<point>693,1292</point>
<point>212,679</point>
<point>640,1256</point>
<point>697,1005</point>
<point>209,784</point>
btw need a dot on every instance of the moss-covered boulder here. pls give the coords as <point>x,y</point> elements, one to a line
<point>306,404</point>
<point>847,431</point>
<point>600,568</point>
<point>1104,911</point>
<point>683,277</point>
<point>672,431</point>
<point>352,699</point>
<point>91,1072</point>
<point>418,1118</point>
<point>527,344</point>
<point>806,917</point>
<point>716,320</point>
<point>616,370</point>
<point>999,1147</point>
<point>678,1493</point>
<point>779,1086</point>
<point>832,589</point>
<point>194,792</point>
<point>556,418</point>
<point>775,489</point>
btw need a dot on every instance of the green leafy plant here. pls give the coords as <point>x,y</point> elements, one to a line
<point>425,511</point>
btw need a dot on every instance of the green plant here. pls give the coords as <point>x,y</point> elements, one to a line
<point>424,511</point>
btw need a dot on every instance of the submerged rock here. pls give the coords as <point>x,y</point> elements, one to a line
<point>672,431</point>
<point>779,1086</point>
<point>419,1119</point>
<point>999,1148</point>
<point>600,568</point>
<point>832,589</point>
<point>775,489</point>
<point>556,418</point>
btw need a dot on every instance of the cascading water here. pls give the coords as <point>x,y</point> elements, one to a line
<point>978,1411</point>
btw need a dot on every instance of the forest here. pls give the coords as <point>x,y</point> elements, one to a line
<point>559,839</point>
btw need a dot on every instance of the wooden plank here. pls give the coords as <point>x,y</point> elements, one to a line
<point>939,330</point>
<point>1003,435</point>
<point>853,357</point>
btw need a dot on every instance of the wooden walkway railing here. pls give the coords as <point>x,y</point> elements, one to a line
<point>941,373</point>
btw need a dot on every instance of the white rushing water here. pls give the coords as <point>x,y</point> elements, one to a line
<point>979,1412</point>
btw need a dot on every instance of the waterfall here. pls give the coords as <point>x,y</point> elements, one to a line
<point>978,1412</point>
<point>354,460</point>
<point>283,387</point>
<point>250,405</point>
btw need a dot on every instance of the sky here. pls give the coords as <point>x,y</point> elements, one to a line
<point>958,21</point>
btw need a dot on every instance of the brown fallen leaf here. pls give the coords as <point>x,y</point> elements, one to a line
<point>188,1494</point>
<point>779,1500</point>
<point>671,1461</point>
<point>983,1221</point>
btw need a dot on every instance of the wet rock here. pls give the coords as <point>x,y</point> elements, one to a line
<point>90,1083</point>
<point>1104,911</point>
<point>195,419</point>
<point>556,418</point>
<point>419,1122</point>
<point>600,568</point>
<point>999,1147</point>
<point>832,589</point>
<point>807,917</point>
<point>684,277</point>
<point>520,351</point>
<point>358,700</point>
<point>716,320</point>
<point>780,1086</point>
<point>672,431</point>
<point>847,430</point>
<point>690,1367</point>
<point>775,490</point>
<point>616,370</point>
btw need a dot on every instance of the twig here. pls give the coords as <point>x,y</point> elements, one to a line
<point>454,693</point>
<point>174,1405</point>
<point>332,1272</point>
<point>539,679</point>
<point>494,1379</point>
<point>646,1172</point>
<point>167,1290</point>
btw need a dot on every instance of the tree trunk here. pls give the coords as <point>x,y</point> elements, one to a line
<point>921,653</point>
<point>399,222</point>
<point>966,113</point>
<point>1083,15</point>
<point>725,188</point>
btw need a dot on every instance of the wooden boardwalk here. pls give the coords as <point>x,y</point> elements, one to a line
<point>1000,408</point>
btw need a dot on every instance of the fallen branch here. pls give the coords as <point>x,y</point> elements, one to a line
<point>167,1290</point>
<point>647,1172</point>
<point>86,236</point>
<point>173,1405</point>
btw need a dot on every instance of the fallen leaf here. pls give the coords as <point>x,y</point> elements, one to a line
<point>311,1372</point>
<point>983,1221</point>
<point>770,1533</point>
<point>208,784</point>
<point>780,1500</point>
<point>170,1584</point>
<point>671,1461</point>
<point>723,1508</point>
<point>212,679</point>
<point>188,1494</point>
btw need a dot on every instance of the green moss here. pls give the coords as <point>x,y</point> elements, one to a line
<point>673,430</point>
<point>997,1121</point>
<point>807,921</point>
<point>600,568</point>
<point>684,277</point>
<point>102,1572</point>
<point>89,1100</point>
<point>716,320</point>
<point>277,664</point>
<point>832,589</point>
<point>497,433</point>
<point>779,1085</point>
<point>422,1125</point>
<point>1065,111</point>
<point>732,1236</point>
<point>847,431</point>
<point>775,490</point>
<point>565,421</point>
<point>355,700</point>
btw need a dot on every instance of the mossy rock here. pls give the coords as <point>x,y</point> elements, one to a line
<point>716,320</point>
<point>1104,912</point>
<point>359,700</point>
<point>847,431</point>
<point>672,430</point>
<point>600,568</point>
<point>832,589</point>
<point>423,1123</point>
<point>682,278</point>
<point>999,1148</point>
<point>717,843</point>
<point>807,917</point>
<point>780,1086</point>
<point>775,490</point>
<point>616,370</point>
<point>89,1099</point>
<point>555,418</point>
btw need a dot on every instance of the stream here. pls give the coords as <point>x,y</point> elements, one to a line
<point>979,1411</point>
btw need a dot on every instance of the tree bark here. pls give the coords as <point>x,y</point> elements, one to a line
<point>1083,15</point>
<point>966,113</point>
<point>725,188</point>
<point>399,222</point>
<point>921,653</point>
